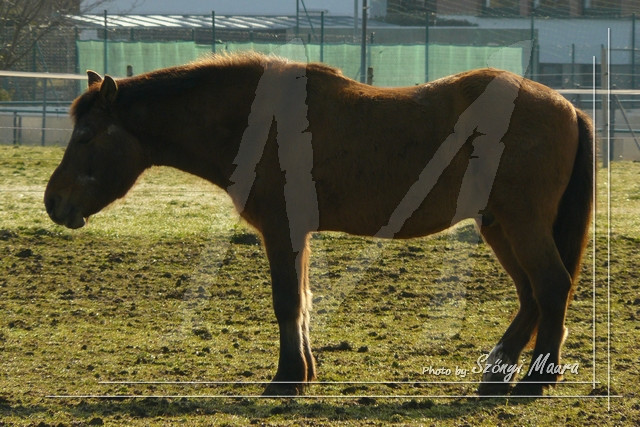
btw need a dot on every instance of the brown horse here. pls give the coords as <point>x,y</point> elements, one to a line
<point>301,148</point>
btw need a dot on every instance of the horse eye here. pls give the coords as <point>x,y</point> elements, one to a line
<point>81,135</point>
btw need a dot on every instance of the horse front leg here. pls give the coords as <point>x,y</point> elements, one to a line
<point>292,304</point>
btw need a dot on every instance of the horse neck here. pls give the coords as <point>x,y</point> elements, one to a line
<point>196,130</point>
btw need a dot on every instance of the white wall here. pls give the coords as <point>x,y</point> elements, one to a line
<point>225,7</point>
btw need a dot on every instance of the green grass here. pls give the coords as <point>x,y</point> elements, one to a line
<point>169,285</point>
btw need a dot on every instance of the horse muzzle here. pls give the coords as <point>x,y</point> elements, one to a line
<point>63,213</point>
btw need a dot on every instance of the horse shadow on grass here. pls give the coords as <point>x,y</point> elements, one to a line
<point>261,410</point>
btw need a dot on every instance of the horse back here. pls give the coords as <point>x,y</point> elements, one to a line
<point>372,145</point>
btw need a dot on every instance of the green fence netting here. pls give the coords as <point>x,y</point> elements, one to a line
<point>393,65</point>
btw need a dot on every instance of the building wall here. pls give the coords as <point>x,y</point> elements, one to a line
<point>377,7</point>
<point>462,7</point>
<point>630,6</point>
<point>223,7</point>
<point>574,8</point>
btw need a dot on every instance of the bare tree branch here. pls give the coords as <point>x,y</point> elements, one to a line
<point>23,23</point>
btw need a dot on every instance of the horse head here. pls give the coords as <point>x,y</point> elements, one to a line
<point>102,160</point>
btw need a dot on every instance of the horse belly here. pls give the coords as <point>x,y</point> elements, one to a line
<point>390,203</point>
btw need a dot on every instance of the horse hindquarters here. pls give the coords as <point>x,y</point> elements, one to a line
<point>570,238</point>
<point>570,228</point>
<point>549,256</point>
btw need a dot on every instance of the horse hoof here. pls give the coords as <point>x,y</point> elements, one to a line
<point>283,389</point>
<point>524,388</point>
<point>494,389</point>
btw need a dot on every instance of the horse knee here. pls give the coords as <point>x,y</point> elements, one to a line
<point>287,311</point>
<point>287,302</point>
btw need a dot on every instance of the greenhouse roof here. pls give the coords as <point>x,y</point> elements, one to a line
<point>222,22</point>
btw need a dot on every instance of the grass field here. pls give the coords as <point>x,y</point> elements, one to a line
<point>169,287</point>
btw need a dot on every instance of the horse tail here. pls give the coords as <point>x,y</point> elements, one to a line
<point>572,222</point>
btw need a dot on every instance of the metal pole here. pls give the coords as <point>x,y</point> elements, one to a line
<point>322,36</point>
<point>426,48</point>
<point>34,68</point>
<point>363,45</point>
<point>297,17</point>
<point>76,35</point>
<point>604,83</point>
<point>106,56</point>
<point>213,31</point>
<point>355,20</point>
<point>369,62</point>
<point>573,65</point>
<point>612,125</point>
<point>633,51</point>
<point>78,84</point>
<point>44,110</point>
<point>533,46</point>
<point>15,128</point>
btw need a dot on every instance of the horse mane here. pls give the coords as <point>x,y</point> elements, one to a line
<point>84,102</point>
<point>172,80</point>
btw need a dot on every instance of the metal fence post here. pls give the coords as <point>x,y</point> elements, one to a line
<point>297,18</point>
<point>355,20</point>
<point>322,36</point>
<point>15,128</point>
<point>533,47</point>
<point>34,68</point>
<point>77,54</point>
<point>44,110</point>
<point>369,61</point>
<point>573,65</point>
<point>213,31</point>
<point>363,46</point>
<point>633,51</point>
<point>426,47</point>
<point>106,42</point>
<point>604,83</point>
<point>612,126</point>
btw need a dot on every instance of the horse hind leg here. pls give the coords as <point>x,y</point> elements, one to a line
<point>518,334</point>
<point>538,255</point>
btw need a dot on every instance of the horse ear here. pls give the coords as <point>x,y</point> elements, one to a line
<point>93,77</point>
<point>109,89</point>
